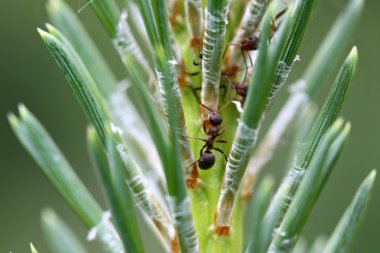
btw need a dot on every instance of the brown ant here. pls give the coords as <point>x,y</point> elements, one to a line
<point>249,44</point>
<point>241,89</point>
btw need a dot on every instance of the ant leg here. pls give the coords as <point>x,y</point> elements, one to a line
<point>204,127</point>
<point>221,141</point>
<point>198,138</point>
<point>228,80</point>
<point>196,63</point>
<point>230,83</point>
<point>208,108</point>
<point>222,86</point>
<point>224,106</point>
<point>220,132</point>
<point>197,96</point>
<point>225,51</point>
<point>201,151</point>
<point>200,60</point>
<point>195,92</point>
<point>193,73</point>
<point>282,12</point>
<point>191,165</point>
<point>245,63</point>
<point>221,151</point>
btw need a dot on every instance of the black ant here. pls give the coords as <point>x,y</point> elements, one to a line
<point>207,157</point>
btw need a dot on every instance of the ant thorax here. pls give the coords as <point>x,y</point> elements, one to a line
<point>213,131</point>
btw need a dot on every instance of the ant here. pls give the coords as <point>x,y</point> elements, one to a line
<point>241,89</point>
<point>249,44</point>
<point>207,157</point>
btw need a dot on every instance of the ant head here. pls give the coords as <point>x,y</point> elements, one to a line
<point>215,119</point>
<point>249,44</point>
<point>213,131</point>
<point>207,160</point>
<point>241,89</point>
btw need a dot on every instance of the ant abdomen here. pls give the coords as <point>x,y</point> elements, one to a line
<point>207,160</point>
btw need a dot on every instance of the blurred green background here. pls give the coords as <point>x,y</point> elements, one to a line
<point>29,75</point>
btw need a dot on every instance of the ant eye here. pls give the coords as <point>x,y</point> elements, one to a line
<point>215,119</point>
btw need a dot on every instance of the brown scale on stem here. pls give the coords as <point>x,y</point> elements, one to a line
<point>196,44</point>
<point>174,18</point>
<point>175,245</point>
<point>221,230</point>
<point>192,181</point>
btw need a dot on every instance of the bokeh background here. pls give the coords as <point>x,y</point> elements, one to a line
<point>29,75</point>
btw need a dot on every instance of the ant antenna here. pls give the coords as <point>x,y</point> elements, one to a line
<point>249,44</point>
